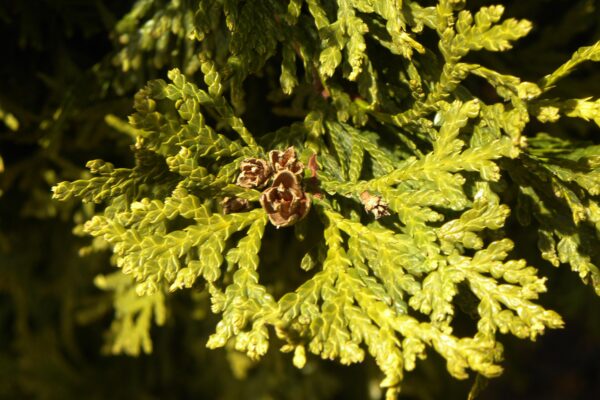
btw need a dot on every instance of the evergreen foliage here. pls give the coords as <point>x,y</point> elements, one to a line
<point>410,180</point>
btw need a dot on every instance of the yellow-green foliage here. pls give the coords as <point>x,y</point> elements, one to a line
<point>384,113</point>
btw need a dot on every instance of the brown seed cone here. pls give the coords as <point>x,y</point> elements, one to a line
<point>255,173</point>
<point>234,204</point>
<point>374,205</point>
<point>285,202</point>
<point>286,160</point>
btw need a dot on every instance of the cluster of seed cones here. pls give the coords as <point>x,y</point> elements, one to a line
<point>284,200</point>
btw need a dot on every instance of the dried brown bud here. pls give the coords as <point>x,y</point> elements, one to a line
<point>255,173</point>
<point>286,160</point>
<point>374,204</point>
<point>234,205</point>
<point>285,202</point>
<point>313,166</point>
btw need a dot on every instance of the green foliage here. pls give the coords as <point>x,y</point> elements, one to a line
<point>9,120</point>
<point>377,99</point>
